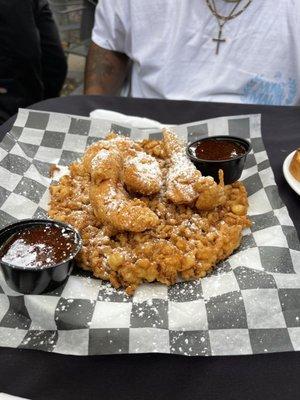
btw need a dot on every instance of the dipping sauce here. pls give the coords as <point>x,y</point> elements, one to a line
<point>39,247</point>
<point>219,149</point>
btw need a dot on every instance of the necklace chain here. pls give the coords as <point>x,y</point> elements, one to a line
<point>212,6</point>
<point>222,19</point>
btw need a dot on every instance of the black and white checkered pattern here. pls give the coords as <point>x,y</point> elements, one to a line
<point>251,304</point>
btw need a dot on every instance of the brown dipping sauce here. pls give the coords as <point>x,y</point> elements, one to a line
<point>218,149</point>
<point>39,247</point>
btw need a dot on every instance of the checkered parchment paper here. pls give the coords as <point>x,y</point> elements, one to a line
<point>250,304</point>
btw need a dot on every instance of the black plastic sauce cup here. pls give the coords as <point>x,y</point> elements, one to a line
<point>232,167</point>
<point>41,279</point>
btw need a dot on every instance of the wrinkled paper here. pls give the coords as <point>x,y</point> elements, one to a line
<point>250,304</point>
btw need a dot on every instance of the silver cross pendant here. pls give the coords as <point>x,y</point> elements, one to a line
<point>219,40</point>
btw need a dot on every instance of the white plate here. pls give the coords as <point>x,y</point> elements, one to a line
<point>294,184</point>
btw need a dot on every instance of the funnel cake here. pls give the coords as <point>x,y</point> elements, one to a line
<point>146,214</point>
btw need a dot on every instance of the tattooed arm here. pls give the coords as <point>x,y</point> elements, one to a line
<point>105,71</point>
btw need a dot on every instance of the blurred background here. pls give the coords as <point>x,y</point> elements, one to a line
<point>75,19</point>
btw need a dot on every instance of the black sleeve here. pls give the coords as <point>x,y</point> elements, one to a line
<point>54,65</point>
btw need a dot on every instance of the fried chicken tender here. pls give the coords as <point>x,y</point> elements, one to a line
<point>112,142</point>
<point>182,175</point>
<point>211,195</point>
<point>185,183</point>
<point>106,164</point>
<point>91,152</point>
<point>121,157</point>
<point>172,143</point>
<point>113,207</point>
<point>141,173</point>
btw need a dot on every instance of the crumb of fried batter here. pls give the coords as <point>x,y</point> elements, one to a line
<point>53,168</point>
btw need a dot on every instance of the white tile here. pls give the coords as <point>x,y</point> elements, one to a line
<point>249,258</point>
<point>295,337</point>
<point>18,151</point>
<point>249,172</point>
<point>272,236</point>
<point>75,143</point>
<point>261,156</point>
<point>44,201</point>
<point>32,136</point>
<point>99,128</point>
<point>295,255</point>
<point>263,309</point>
<point>58,122</point>
<point>48,154</point>
<point>148,340</point>
<point>10,337</point>
<point>4,396</point>
<point>283,216</point>
<point>19,206</point>
<point>255,125</point>
<point>137,134</point>
<point>4,305</point>
<point>34,174</point>
<point>3,153</point>
<point>216,285</point>
<point>259,203</point>
<point>41,310</point>
<point>230,342</point>
<point>9,180</point>
<point>150,291</point>
<point>267,177</point>
<point>189,315</point>
<point>21,117</point>
<point>287,281</point>
<point>81,288</point>
<point>181,130</point>
<point>218,126</point>
<point>111,315</point>
<point>73,342</point>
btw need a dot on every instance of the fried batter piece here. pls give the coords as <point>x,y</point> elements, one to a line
<point>110,202</point>
<point>182,175</point>
<point>114,142</point>
<point>121,159</point>
<point>211,194</point>
<point>141,173</point>
<point>106,164</point>
<point>113,207</point>
<point>185,183</point>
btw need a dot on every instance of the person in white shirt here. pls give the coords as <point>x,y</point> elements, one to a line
<point>242,51</point>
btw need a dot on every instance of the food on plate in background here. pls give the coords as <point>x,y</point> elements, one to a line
<point>150,216</point>
<point>295,165</point>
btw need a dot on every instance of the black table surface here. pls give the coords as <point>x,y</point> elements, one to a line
<point>44,376</point>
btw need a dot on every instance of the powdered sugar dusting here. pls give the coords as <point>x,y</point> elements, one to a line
<point>99,157</point>
<point>112,200</point>
<point>145,166</point>
<point>182,169</point>
<point>23,255</point>
<point>181,178</point>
